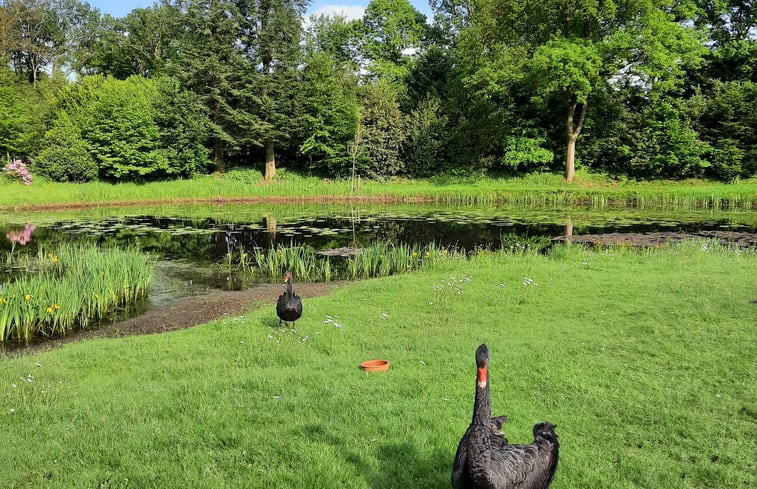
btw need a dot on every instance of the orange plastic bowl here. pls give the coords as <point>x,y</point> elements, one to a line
<point>375,365</point>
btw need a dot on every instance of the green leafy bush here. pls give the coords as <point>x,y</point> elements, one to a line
<point>183,128</point>
<point>726,158</point>
<point>526,152</point>
<point>122,131</point>
<point>133,129</point>
<point>66,156</point>
<point>382,132</point>
<point>426,139</point>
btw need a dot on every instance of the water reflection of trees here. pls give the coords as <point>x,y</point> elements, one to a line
<point>205,239</point>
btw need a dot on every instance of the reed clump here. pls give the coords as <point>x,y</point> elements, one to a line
<point>382,259</point>
<point>301,260</point>
<point>70,287</point>
<point>379,259</point>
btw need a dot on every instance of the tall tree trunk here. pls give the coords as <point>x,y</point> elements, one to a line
<point>218,157</point>
<point>270,161</point>
<point>270,158</point>
<point>570,159</point>
<point>573,129</point>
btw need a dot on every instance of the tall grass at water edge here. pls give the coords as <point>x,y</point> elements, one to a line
<point>537,190</point>
<point>645,360</point>
<point>378,259</point>
<point>69,287</point>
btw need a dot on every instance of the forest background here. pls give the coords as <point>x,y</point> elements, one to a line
<point>641,89</point>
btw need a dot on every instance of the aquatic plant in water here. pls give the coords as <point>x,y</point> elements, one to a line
<point>376,260</point>
<point>71,287</point>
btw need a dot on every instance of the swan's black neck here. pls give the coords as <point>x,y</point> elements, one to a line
<point>289,286</point>
<point>479,448</point>
<point>482,406</point>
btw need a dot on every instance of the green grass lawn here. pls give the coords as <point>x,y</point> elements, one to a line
<point>536,189</point>
<point>645,360</point>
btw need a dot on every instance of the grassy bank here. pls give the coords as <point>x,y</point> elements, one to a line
<point>644,359</point>
<point>533,190</point>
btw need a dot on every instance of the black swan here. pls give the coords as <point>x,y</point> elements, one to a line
<point>289,306</point>
<point>485,460</point>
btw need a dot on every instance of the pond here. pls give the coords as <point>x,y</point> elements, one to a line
<point>191,242</point>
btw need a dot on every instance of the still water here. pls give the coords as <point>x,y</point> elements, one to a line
<point>191,242</point>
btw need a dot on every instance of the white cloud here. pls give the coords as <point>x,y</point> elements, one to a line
<point>350,12</point>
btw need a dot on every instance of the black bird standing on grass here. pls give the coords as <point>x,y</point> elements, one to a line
<point>289,306</point>
<point>485,460</point>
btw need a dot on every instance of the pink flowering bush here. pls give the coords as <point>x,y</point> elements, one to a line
<point>17,169</point>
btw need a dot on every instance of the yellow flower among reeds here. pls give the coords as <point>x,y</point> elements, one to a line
<point>28,297</point>
<point>415,253</point>
<point>96,295</point>
<point>50,310</point>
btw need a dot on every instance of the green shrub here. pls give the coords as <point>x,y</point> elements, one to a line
<point>726,159</point>
<point>425,143</point>
<point>65,156</point>
<point>121,128</point>
<point>183,129</point>
<point>526,152</point>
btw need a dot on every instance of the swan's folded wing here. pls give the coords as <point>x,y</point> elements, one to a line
<point>514,464</point>
<point>498,440</point>
<point>458,468</point>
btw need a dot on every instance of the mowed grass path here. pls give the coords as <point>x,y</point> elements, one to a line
<point>644,360</point>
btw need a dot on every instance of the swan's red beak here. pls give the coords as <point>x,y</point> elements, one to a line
<point>482,374</point>
<point>286,278</point>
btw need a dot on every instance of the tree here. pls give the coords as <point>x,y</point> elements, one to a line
<point>394,35</point>
<point>209,65</point>
<point>271,35</point>
<point>139,44</point>
<point>727,121</point>
<point>578,47</point>
<point>723,94</point>
<point>183,125</point>
<point>14,118</point>
<point>569,70</point>
<point>121,130</point>
<point>382,131</point>
<point>425,141</point>
<point>336,37</point>
<point>328,100</point>
<point>31,36</point>
<point>10,17</point>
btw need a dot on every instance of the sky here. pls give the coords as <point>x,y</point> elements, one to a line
<point>352,9</point>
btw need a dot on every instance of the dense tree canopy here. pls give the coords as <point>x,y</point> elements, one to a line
<point>641,88</point>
